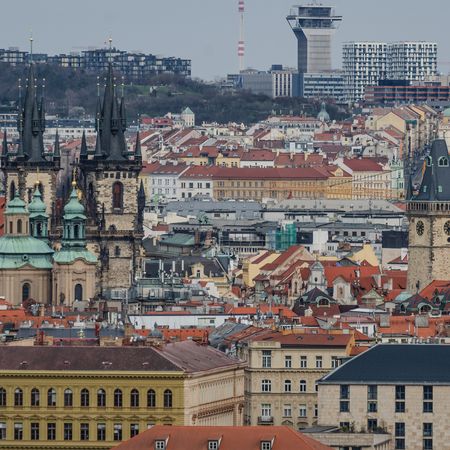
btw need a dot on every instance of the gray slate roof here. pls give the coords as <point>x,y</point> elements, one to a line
<point>396,364</point>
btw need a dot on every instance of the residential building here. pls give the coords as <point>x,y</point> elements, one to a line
<point>95,397</point>
<point>412,61</point>
<point>397,390</point>
<point>163,180</point>
<point>325,85</point>
<point>367,63</point>
<point>282,374</point>
<point>429,221</point>
<point>221,438</point>
<point>364,64</point>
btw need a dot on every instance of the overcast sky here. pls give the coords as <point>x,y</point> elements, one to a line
<point>207,31</point>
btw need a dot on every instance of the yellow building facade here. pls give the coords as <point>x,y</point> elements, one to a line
<point>95,397</point>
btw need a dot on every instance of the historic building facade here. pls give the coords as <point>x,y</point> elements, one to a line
<point>429,222</point>
<point>95,397</point>
<point>115,199</point>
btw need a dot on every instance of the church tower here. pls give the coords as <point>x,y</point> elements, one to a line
<point>28,161</point>
<point>110,180</point>
<point>429,222</point>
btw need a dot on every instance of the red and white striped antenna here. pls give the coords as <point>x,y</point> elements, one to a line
<point>241,45</point>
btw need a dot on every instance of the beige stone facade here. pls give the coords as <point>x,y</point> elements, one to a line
<point>215,398</point>
<point>281,379</point>
<point>413,418</point>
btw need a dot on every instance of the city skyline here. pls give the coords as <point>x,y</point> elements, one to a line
<point>146,28</point>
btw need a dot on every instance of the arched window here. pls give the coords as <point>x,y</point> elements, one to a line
<point>12,190</point>
<point>78,292</point>
<point>151,398</point>
<point>76,231</point>
<point>51,397</point>
<point>134,398</point>
<point>35,397</point>
<point>428,161</point>
<point>118,398</point>
<point>19,226</point>
<point>443,161</point>
<point>116,250</point>
<point>167,398</point>
<point>2,397</point>
<point>84,398</point>
<point>287,385</point>
<point>101,398</point>
<point>26,288</point>
<point>68,397</point>
<point>302,386</point>
<point>18,397</point>
<point>117,195</point>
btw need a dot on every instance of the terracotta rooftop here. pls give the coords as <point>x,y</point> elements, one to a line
<point>231,438</point>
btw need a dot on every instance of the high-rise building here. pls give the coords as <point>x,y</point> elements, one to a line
<point>366,63</point>
<point>313,25</point>
<point>412,61</point>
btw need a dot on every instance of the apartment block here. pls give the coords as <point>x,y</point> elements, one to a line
<point>399,391</point>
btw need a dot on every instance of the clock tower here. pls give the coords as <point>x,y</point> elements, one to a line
<point>429,222</point>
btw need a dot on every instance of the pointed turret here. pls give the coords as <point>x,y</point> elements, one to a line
<point>98,154</point>
<point>57,149</point>
<point>123,115</point>
<point>31,124</point>
<point>137,149</point>
<point>83,149</point>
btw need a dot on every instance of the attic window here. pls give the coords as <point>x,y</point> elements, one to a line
<point>440,188</point>
<point>213,445</point>
<point>443,161</point>
<point>428,161</point>
<point>266,445</point>
<point>160,445</point>
<point>425,189</point>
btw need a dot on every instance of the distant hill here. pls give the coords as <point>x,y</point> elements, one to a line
<point>68,89</point>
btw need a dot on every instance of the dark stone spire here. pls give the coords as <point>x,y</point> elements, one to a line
<point>123,115</point>
<point>409,187</point>
<point>111,123</point>
<point>98,154</point>
<point>141,204</point>
<point>31,124</point>
<point>57,148</point>
<point>137,149</point>
<point>83,149</point>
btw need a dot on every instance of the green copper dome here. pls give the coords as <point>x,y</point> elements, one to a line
<point>37,206</point>
<point>16,206</point>
<point>446,112</point>
<point>323,114</point>
<point>19,251</point>
<point>73,207</point>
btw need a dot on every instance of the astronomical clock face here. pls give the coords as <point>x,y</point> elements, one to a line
<point>447,228</point>
<point>420,228</point>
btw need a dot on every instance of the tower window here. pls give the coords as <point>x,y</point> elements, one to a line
<point>117,193</point>
<point>116,250</point>
<point>12,190</point>
<point>19,226</point>
<point>443,161</point>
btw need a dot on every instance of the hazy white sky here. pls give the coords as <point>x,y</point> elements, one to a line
<point>206,31</point>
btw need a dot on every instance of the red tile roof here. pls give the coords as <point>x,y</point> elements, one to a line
<point>363,165</point>
<point>256,173</point>
<point>231,438</point>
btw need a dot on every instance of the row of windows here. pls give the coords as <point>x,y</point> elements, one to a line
<point>267,361</point>
<point>85,400</point>
<point>372,399</point>
<point>266,410</point>
<point>266,386</point>
<point>49,433</point>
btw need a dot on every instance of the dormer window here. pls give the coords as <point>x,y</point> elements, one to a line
<point>266,445</point>
<point>443,161</point>
<point>428,161</point>
<point>213,445</point>
<point>160,444</point>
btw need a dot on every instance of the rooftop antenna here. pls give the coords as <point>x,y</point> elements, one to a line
<point>31,47</point>
<point>241,45</point>
<point>110,50</point>
<point>98,86</point>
